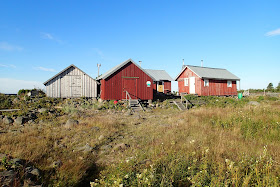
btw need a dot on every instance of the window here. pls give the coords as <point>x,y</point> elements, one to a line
<point>206,82</point>
<point>229,84</point>
<point>186,82</point>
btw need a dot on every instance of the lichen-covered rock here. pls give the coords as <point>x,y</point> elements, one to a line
<point>71,123</point>
<point>120,147</point>
<point>19,120</point>
<point>8,120</point>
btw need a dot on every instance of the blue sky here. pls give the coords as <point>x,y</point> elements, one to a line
<point>40,38</point>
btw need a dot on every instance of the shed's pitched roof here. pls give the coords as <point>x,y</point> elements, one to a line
<point>210,73</point>
<point>159,75</point>
<point>72,65</point>
<point>116,68</point>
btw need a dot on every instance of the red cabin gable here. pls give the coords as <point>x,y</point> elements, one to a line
<point>127,77</point>
<point>205,81</point>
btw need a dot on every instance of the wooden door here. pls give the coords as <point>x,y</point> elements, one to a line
<point>76,84</point>
<point>130,85</point>
<point>160,86</point>
<point>192,85</point>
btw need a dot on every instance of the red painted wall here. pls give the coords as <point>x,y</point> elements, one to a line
<point>114,87</point>
<point>216,87</point>
<point>167,87</point>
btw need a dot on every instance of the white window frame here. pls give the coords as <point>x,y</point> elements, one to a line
<point>206,82</point>
<point>186,81</point>
<point>229,84</point>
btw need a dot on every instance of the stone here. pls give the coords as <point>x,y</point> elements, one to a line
<point>42,110</point>
<point>16,100</point>
<point>35,172</point>
<point>255,103</point>
<point>95,128</point>
<point>71,123</point>
<point>17,161</point>
<point>105,147</point>
<point>19,120</point>
<point>101,137</point>
<point>120,147</point>
<point>85,149</point>
<point>7,120</point>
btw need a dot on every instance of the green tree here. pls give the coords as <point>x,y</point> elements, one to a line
<point>278,87</point>
<point>269,86</point>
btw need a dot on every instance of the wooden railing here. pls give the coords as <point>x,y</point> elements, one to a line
<point>187,101</point>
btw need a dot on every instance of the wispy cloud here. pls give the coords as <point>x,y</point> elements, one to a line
<point>8,65</point>
<point>44,69</point>
<point>99,52</point>
<point>273,33</point>
<point>8,47</point>
<point>48,36</point>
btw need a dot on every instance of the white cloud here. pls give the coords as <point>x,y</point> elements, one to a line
<point>12,86</point>
<point>45,69</point>
<point>8,66</point>
<point>46,36</point>
<point>8,47</point>
<point>49,36</point>
<point>273,33</point>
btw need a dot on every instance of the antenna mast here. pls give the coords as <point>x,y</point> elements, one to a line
<point>98,66</point>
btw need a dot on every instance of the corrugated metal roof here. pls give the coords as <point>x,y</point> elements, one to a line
<point>72,65</point>
<point>210,73</point>
<point>159,75</point>
<point>116,68</point>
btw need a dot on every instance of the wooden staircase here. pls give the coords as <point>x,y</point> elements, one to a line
<point>179,104</point>
<point>135,105</point>
<point>182,103</point>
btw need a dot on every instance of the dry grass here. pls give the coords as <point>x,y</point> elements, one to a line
<point>164,143</point>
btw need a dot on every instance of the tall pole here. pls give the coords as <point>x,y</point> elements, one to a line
<point>98,66</point>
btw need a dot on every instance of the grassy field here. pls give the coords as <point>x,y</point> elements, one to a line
<point>225,142</point>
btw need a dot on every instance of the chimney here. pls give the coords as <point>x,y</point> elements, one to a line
<point>201,63</point>
<point>140,63</point>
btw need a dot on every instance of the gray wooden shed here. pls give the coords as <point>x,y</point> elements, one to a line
<point>71,82</point>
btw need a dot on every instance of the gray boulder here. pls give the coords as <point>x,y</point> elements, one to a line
<point>120,147</point>
<point>85,149</point>
<point>8,120</point>
<point>71,123</point>
<point>19,120</point>
<point>42,110</point>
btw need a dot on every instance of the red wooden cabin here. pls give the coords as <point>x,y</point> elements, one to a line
<point>127,77</point>
<point>162,80</point>
<point>205,81</point>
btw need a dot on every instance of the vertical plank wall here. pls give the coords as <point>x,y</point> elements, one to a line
<point>72,83</point>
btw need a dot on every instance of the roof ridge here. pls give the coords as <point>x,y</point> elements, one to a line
<point>205,67</point>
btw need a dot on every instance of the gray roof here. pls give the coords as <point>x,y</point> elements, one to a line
<point>72,65</point>
<point>159,75</point>
<point>116,68</point>
<point>210,73</point>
